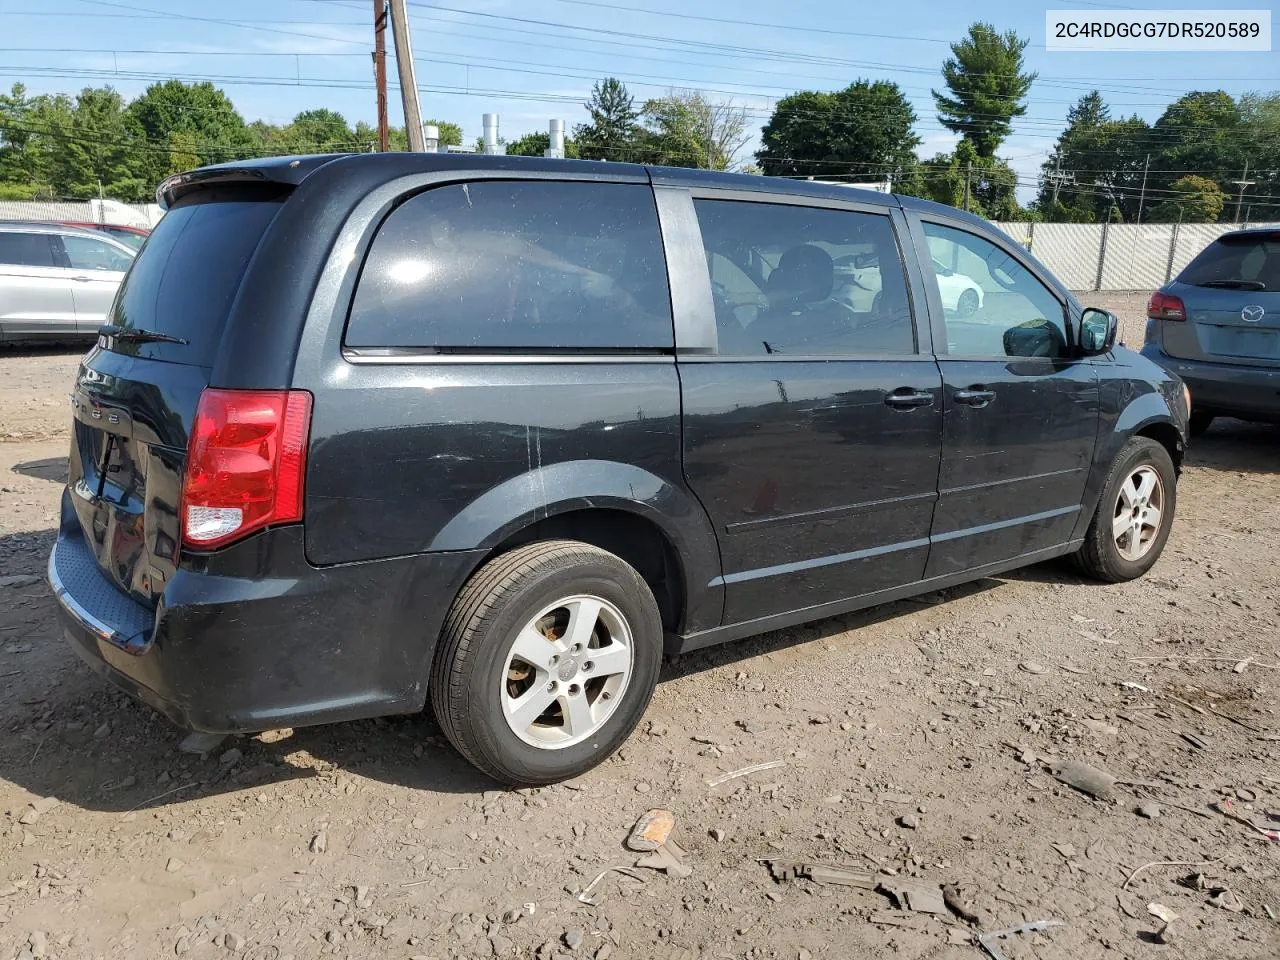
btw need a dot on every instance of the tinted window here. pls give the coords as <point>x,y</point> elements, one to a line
<point>993,305</point>
<point>804,281</point>
<point>1254,259</point>
<point>531,264</point>
<point>87,253</point>
<point>184,280</point>
<point>26,249</point>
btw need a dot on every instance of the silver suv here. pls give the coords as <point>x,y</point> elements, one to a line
<point>56,282</point>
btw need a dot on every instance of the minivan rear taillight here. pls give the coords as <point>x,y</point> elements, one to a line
<point>1164,306</point>
<point>245,464</point>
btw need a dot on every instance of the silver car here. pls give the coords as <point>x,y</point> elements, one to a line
<point>56,282</point>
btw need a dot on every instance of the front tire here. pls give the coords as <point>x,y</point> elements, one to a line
<point>1134,515</point>
<point>967,305</point>
<point>547,662</point>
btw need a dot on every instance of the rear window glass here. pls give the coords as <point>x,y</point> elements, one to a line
<point>26,249</point>
<point>1252,259</point>
<point>529,264</point>
<point>186,277</point>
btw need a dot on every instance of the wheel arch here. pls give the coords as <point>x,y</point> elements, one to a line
<point>653,524</point>
<point>1147,414</point>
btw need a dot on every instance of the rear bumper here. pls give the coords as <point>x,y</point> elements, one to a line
<point>1226,388</point>
<point>256,638</point>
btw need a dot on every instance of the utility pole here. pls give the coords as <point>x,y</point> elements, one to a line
<point>1058,178</point>
<point>1143,195</point>
<point>408,82</point>
<point>1243,182</point>
<point>968,171</point>
<point>380,70</point>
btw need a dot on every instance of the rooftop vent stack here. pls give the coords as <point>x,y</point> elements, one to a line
<point>555,147</point>
<point>491,146</point>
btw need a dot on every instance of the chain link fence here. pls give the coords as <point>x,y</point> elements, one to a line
<point>1117,256</point>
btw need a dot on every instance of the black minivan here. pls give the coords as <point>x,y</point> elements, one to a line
<point>364,431</point>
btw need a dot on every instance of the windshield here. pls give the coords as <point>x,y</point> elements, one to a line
<point>1251,261</point>
<point>186,277</point>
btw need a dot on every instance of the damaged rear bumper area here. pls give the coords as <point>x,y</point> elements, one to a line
<point>255,638</point>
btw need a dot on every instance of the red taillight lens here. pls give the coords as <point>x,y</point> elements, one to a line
<point>1163,306</point>
<point>245,464</point>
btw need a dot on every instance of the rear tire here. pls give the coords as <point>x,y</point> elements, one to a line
<point>1134,515</point>
<point>967,305</point>
<point>548,660</point>
<point>1200,422</point>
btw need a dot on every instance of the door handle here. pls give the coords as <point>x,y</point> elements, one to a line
<point>82,279</point>
<point>975,396</point>
<point>904,398</point>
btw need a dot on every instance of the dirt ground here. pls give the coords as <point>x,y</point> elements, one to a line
<point>916,743</point>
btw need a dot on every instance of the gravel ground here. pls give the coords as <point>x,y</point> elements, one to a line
<point>917,743</point>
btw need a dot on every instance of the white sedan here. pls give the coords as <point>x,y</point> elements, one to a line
<point>960,294</point>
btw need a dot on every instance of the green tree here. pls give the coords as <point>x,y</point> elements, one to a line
<point>206,123</point>
<point>32,131</point>
<point>536,145</point>
<point>865,129</point>
<point>1260,126</point>
<point>1195,200</point>
<point>102,155</point>
<point>320,131</point>
<point>986,186</point>
<point>685,129</point>
<point>1097,163</point>
<point>986,87</point>
<point>614,130</point>
<point>1200,132</point>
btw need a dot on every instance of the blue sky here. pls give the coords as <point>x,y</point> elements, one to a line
<point>531,60</point>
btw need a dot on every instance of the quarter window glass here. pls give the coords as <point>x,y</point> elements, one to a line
<point>804,281</point>
<point>530,264</point>
<point>85,253</point>
<point>26,249</point>
<point>993,305</point>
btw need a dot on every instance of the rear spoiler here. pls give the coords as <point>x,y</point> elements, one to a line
<point>283,172</point>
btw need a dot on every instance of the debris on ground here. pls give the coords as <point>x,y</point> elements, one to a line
<point>1148,810</point>
<point>844,876</point>
<point>1095,782</point>
<point>201,744</point>
<point>915,896</point>
<point>652,836</point>
<point>1225,808</point>
<point>651,831</point>
<point>961,900</point>
<point>745,771</point>
<point>587,896</point>
<point>1164,933</point>
<point>988,941</point>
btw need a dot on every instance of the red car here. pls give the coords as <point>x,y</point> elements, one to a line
<point>133,236</point>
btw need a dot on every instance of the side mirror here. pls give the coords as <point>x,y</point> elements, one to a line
<point>1098,329</point>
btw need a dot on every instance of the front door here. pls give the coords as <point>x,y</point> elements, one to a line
<point>97,267</point>
<point>1020,413</point>
<point>812,435</point>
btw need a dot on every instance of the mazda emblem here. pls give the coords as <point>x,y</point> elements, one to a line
<point>1252,313</point>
